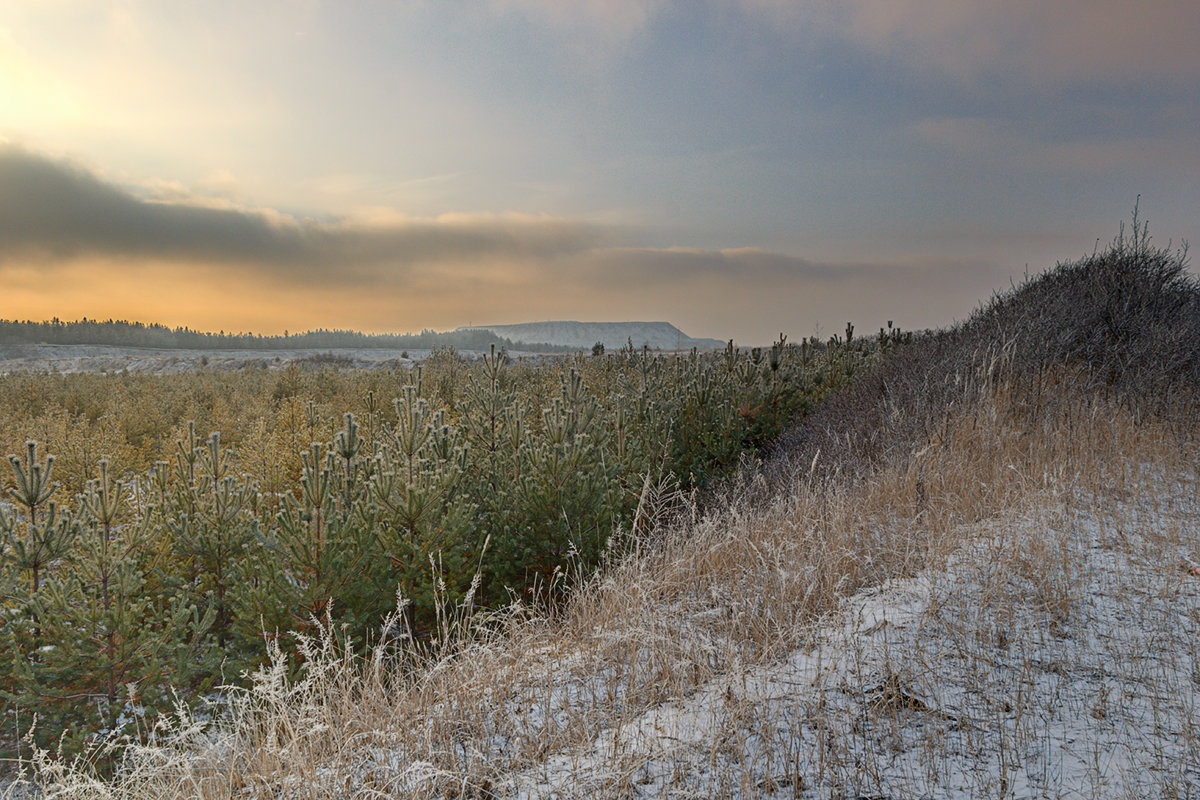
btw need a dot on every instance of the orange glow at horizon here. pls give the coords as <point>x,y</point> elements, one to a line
<point>204,300</point>
<point>444,297</point>
<point>222,299</point>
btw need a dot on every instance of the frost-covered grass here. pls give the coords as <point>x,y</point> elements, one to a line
<point>1007,612</point>
<point>1056,655</point>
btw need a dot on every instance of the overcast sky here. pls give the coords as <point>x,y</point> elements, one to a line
<point>736,167</point>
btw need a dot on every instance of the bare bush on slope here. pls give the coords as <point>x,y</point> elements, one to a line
<point>1122,324</point>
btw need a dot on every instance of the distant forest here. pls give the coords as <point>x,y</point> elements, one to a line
<point>121,333</point>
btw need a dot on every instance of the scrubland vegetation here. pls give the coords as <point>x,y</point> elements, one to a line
<point>162,531</point>
<point>969,572</point>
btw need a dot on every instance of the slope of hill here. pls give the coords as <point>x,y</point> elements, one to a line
<point>613,335</point>
<point>973,574</point>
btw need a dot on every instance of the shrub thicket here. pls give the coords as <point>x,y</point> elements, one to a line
<point>1120,325</point>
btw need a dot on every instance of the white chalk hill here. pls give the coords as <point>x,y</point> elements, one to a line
<point>614,335</point>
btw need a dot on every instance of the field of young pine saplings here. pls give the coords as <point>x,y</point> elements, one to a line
<point>160,534</point>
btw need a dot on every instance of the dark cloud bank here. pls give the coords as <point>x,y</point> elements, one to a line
<point>56,211</point>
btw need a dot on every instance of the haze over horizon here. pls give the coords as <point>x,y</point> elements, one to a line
<point>735,167</point>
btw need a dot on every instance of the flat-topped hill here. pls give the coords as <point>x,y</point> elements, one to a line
<point>613,335</point>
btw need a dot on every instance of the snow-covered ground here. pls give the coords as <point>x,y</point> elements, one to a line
<point>67,359</point>
<point>71,358</point>
<point>1056,655</point>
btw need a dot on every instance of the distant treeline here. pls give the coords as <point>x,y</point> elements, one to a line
<point>121,333</point>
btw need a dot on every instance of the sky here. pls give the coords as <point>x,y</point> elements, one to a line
<point>739,168</point>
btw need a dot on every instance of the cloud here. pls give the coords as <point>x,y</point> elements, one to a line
<point>592,35</point>
<point>56,212</point>
<point>608,19</point>
<point>1046,44</point>
<point>120,252</point>
<point>751,294</point>
<point>1004,145</point>
<point>675,266</point>
<point>687,269</point>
